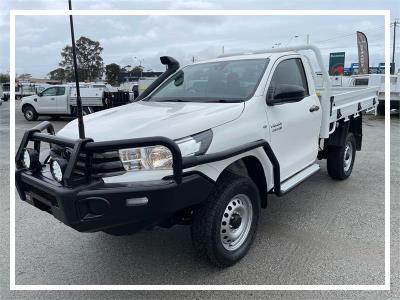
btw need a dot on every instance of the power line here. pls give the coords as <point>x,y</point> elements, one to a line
<point>350,34</point>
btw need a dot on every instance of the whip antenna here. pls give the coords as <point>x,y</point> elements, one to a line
<point>78,94</point>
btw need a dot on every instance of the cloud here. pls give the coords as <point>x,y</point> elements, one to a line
<point>201,37</point>
<point>180,4</point>
<point>43,49</point>
<point>40,39</point>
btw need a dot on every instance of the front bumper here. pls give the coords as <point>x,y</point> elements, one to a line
<point>87,203</point>
<point>98,206</point>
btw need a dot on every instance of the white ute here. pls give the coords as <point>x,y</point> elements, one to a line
<point>60,100</point>
<point>245,125</point>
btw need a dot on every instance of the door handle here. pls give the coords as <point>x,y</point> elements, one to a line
<point>52,98</point>
<point>314,108</point>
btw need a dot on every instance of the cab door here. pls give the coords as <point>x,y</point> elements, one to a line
<point>47,101</point>
<point>61,100</point>
<point>294,123</point>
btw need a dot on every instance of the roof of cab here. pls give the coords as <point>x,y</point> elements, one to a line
<point>248,55</point>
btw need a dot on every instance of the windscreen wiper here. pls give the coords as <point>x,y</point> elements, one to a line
<point>173,100</point>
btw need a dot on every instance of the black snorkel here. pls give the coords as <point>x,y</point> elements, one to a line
<point>172,66</point>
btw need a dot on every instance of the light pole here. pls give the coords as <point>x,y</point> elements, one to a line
<point>392,70</point>
<point>140,65</point>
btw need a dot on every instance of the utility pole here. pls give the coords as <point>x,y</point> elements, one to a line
<point>308,39</point>
<point>394,46</point>
<point>223,50</point>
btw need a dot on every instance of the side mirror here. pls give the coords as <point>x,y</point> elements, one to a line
<point>40,94</point>
<point>286,93</point>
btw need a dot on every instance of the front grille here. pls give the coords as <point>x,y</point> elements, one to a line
<point>104,164</point>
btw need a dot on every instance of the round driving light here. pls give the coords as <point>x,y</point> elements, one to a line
<point>57,168</point>
<point>30,159</point>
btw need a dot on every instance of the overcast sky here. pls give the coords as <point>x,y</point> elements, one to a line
<point>39,40</point>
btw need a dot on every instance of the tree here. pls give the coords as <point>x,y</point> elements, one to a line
<point>112,73</point>
<point>126,68</point>
<point>137,69</point>
<point>4,78</point>
<point>90,62</point>
<point>57,74</point>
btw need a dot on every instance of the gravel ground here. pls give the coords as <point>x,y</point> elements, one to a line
<point>324,232</point>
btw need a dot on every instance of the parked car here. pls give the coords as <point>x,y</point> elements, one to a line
<point>21,90</point>
<point>203,146</point>
<point>5,91</point>
<point>60,100</point>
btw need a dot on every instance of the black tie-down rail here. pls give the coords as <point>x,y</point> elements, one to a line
<point>179,164</point>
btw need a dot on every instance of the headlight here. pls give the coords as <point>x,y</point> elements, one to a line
<point>195,144</point>
<point>57,168</point>
<point>160,157</point>
<point>30,159</point>
<point>146,158</point>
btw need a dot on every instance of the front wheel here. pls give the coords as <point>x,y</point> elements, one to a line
<point>224,228</point>
<point>340,160</point>
<point>30,113</point>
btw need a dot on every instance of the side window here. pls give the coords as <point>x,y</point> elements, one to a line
<point>290,71</point>
<point>60,91</point>
<point>50,91</point>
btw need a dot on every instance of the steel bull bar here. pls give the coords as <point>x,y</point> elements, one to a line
<point>90,204</point>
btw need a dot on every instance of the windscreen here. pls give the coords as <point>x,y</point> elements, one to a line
<point>224,81</point>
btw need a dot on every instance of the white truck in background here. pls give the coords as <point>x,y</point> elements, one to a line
<point>394,98</point>
<point>60,100</point>
<point>373,80</point>
<point>21,90</point>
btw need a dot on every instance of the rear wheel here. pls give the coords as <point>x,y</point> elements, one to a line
<point>381,109</point>
<point>30,113</point>
<point>340,160</point>
<point>224,228</point>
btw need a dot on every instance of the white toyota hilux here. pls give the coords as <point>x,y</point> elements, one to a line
<point>203,146</point>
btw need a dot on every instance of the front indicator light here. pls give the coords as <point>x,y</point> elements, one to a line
<point>196,144</point>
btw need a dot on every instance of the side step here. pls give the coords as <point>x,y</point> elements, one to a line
<point>296,179</point>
